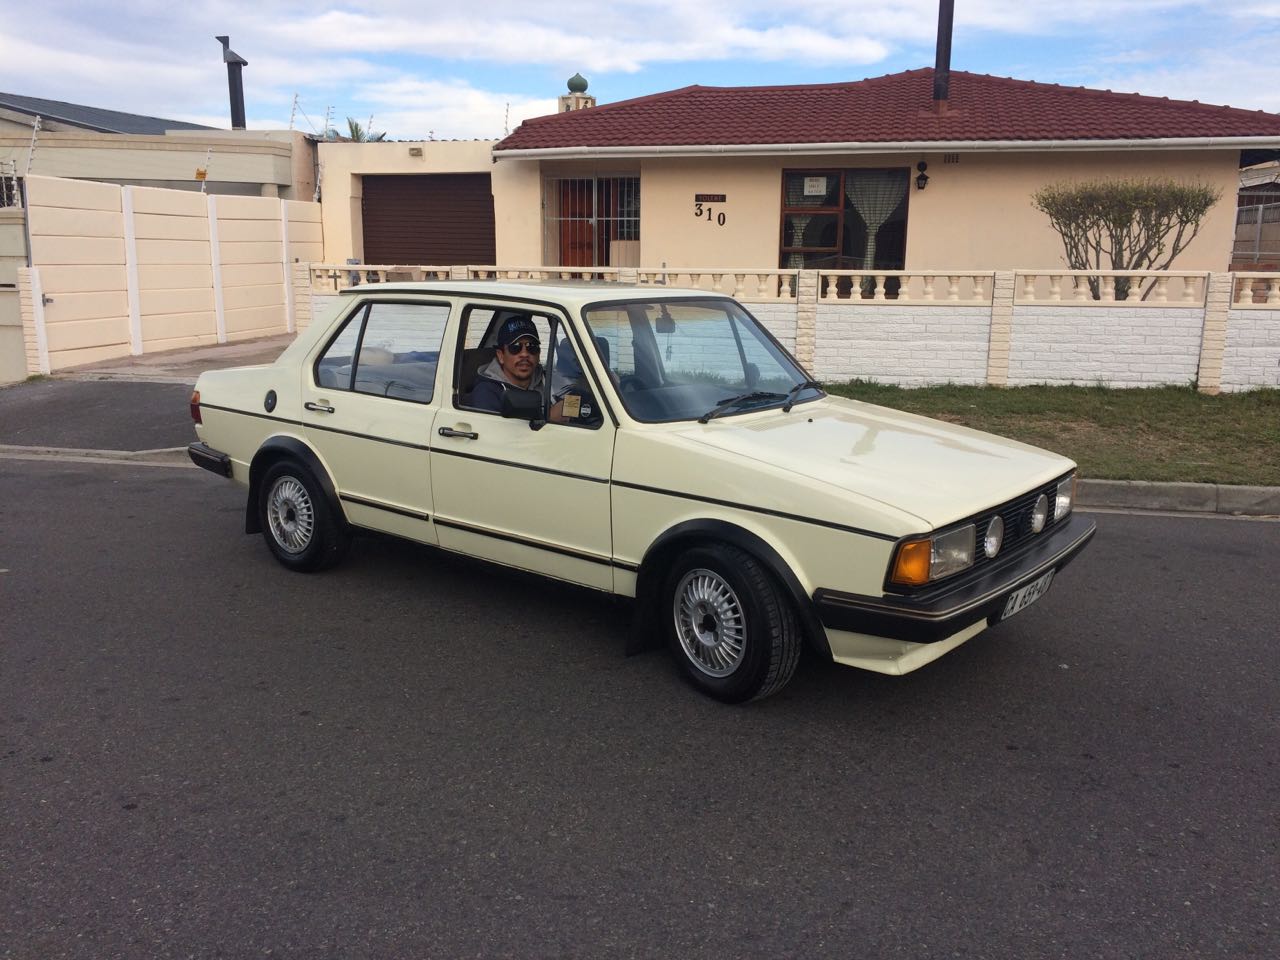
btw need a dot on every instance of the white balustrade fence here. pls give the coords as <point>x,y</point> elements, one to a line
<point>1119,328</point>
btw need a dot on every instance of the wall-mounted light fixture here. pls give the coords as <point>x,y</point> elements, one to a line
<point>922,179</point>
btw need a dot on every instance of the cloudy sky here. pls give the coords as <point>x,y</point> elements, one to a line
<point>428,69</point>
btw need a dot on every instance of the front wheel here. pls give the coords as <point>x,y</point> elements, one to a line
<point>298,524</point>
<point>730,628</point>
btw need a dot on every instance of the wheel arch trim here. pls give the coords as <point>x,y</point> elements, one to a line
<point>282,447</point>
<point>655,564</point>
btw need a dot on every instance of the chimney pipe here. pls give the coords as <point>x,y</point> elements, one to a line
<point>235,84</point>
<point>942,64</point>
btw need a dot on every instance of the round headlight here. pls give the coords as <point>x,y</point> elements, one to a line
<point>995,536</point>
<point>1039,514</point>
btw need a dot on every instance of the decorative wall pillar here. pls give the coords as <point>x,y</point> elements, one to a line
<point>806,316</point>
<point>1213,336</point>
<point>31,308</point>
<point>299,281</point>
<point>1002,290</point>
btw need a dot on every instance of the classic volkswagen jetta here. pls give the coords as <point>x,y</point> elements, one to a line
<point>648,442</point>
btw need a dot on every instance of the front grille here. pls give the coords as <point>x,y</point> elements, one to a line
<point>1016,515</point>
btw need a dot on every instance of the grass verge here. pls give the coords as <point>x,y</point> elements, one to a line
<point>1161,433</point>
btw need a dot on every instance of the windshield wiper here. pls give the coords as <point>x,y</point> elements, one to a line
<point>725,405</point>
<point>795,392</point>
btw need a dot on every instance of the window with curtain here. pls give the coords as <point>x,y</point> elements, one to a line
<point>844,219</point>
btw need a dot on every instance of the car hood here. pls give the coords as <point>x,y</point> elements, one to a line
<point>936,471</point>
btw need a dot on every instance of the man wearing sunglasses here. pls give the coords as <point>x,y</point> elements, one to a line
<point>514,365</point>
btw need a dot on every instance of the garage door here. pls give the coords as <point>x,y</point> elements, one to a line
<point>440,219</point>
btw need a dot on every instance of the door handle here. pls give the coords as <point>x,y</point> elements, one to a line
<point>318,407</point>
<point>465,434</point>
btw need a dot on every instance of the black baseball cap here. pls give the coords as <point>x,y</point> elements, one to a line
<point>513,328</point>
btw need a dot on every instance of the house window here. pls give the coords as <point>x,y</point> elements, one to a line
<point>844,219</point>
<point>591,221</point>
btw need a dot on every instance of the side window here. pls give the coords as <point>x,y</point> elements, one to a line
<point>396,350</point>
<point>478,359</point>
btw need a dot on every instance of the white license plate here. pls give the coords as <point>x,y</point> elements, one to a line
<point>1024,597</point>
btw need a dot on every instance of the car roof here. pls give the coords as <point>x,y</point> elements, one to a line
<point>567,293</point>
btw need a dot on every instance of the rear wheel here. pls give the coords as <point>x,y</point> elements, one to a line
<point>731,629</point>
<point>298,524</point>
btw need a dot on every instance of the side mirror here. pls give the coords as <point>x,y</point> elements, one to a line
<point>520,404</point>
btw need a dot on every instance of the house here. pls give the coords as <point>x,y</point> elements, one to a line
<point>92,143</point>
<point>892,172</point>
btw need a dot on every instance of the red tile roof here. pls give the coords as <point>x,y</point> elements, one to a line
<point>893,108</point>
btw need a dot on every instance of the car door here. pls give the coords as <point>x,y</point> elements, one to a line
<point>369,402</point>
<point>537,499</point>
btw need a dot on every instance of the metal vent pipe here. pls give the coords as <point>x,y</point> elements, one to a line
<point>942,64</point>
<point>235,84</point>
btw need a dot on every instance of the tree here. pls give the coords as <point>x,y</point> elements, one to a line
<point>1124,224</point>
<point>356,133</point>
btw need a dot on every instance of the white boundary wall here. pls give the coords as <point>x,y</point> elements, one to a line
<point>1117,346</point>
<point>990,332</point>
<point>909,346</point>
<point>1252,354</point>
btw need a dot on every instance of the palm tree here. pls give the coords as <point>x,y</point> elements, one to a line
<point>359,134</point>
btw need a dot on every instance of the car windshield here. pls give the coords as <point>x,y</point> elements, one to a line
<point>693,359</point>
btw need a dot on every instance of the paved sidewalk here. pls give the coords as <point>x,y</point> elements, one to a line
<point>139,423</point>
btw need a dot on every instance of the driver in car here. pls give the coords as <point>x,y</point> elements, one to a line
<point>515,364</point>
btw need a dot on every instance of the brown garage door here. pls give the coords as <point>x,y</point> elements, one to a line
<point>439,219</point>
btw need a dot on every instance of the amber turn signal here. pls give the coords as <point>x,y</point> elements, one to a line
<point>911,565</point>
<point>195,407</point>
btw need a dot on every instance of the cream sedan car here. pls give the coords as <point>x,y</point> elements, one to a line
<point>647,442</point>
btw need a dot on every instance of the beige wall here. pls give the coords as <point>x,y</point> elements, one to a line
<point>136,269</point>
<point>13,254</point>
<point>77,241</point>
<point>343,164</point>
<point>975,214</point>
<point>268,163</point>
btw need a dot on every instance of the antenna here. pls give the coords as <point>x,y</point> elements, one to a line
<point>328,122</point>
<point>207,157</point>
<point>506,120</point>
<point>294,112</point>
<point>35,129</point>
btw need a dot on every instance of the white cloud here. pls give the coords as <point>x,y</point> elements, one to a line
<point>420,110</point>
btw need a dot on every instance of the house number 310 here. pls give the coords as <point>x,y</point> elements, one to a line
<point>704,212</point>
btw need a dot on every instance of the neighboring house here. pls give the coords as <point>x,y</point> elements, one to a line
<point>90,143</point>
<point>1258,218</point>
<point>870,174</point>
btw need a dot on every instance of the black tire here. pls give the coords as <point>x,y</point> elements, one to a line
<point>732,630</point>
<point>298,523</point>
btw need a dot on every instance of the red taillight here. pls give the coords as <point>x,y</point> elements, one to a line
<point>195,407</point>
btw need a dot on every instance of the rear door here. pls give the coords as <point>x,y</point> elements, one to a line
<point>369,402</point>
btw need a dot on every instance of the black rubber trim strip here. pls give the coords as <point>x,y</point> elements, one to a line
<point>317,426</point>
<point>526,542</point>
<point>940,616</point>
<point>215,461</point>
<point>764,510</point>
<point>519,466</point>
<point>411,514</point>
<point>249,413</point>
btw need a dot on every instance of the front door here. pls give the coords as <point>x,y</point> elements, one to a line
<point>533,499</point>
<point>369,405</point>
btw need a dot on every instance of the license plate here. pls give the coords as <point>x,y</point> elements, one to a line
<point>1024,597</point>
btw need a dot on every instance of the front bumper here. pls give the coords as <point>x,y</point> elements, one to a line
<point>203,455</point>
<point>943,612</point>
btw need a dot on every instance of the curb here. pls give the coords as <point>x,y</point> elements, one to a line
<point>1217,498</point>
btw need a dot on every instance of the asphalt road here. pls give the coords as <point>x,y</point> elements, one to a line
<point>204,755</point>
